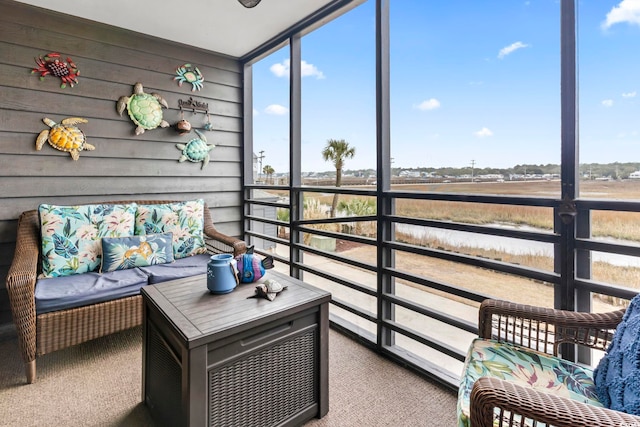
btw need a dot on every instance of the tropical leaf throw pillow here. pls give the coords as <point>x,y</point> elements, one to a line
<point>121,253</point>
<point>185,220</point>
<point>71,235</point>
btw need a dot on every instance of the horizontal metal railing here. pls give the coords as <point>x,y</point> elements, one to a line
<point>423,337</point>
<point>504,267</point>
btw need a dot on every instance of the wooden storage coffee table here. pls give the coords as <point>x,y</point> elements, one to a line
<point>226,360</point>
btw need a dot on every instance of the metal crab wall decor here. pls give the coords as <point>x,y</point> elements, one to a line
<point>190,74</point>
<point>53,64</point>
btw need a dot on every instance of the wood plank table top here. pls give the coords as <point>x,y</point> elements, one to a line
<point>200,316</point>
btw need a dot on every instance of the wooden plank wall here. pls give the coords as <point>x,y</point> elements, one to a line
<point>123,165</point>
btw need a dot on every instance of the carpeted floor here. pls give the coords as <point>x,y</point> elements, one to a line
<point>98,384</point>
<point>92,384</point>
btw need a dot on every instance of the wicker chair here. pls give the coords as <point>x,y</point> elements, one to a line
<point>541,329</point>
<point>48,332</point>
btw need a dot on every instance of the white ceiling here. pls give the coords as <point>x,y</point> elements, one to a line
<point>223,26</point>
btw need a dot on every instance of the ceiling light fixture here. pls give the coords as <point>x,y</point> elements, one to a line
<point>249,3</point>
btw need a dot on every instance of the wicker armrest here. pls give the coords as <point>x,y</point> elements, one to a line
<point>236,245</point>
<point>229,243</point>
<point>21,281</point>
<point>544,329</point>
<point>489,393</point>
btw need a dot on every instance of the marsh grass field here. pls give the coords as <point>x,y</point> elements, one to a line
<point>618,225</point>
<point>623,226</point>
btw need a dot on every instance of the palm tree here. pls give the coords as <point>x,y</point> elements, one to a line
<point>337,150</point>
<point>359,207</point>
<point>283,214</point>
<point>269,171</point>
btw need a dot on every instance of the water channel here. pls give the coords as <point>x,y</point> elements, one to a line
<point>509,244</point>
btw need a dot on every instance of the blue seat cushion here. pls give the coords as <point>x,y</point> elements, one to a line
<point>60,293</point>
<point>183,267</point>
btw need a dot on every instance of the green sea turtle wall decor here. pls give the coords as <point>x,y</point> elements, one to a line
<point>65,136</point>
<point>145,110</point>
<point>196,150</point>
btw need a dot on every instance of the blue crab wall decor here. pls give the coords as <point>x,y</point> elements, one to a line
<point>190,74</point>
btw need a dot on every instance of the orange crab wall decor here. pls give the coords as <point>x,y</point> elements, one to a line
<point>53,64</point>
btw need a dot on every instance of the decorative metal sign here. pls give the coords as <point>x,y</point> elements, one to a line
<point>194,105</point>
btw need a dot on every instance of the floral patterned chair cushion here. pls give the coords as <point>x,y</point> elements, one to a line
<point>525,367</point>
<point>184,219</point>
<point>71,235</point>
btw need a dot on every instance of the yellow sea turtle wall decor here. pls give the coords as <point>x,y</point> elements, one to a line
<point>65,136</point>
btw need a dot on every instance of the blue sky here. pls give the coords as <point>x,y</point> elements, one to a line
<point>470,81</point>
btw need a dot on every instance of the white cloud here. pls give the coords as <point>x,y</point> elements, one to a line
<point>607,103</point>
<point>276,109</point>
<point>511,48</point>
<point>255,112</point>
<point>282,69</point>
<point>627,11</point>
<point>429,104</point>
<point>629,94</point>
<point>311,70</point>
<point>483,133</point>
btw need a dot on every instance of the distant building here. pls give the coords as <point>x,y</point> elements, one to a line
<point>269,212</point>
<point>634,175</point>
<point>491,176</point>
<point>256,168</point>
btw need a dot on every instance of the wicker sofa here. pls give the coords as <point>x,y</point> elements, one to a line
<point>530,400</point>
<point>39,334</point>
